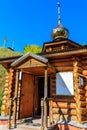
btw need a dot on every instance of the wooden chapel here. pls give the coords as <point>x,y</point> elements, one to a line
<point>58,74</point>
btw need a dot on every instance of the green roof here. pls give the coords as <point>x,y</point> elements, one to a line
<point>8,53</point>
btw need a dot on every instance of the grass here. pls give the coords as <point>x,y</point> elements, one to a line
<point>2,82</point>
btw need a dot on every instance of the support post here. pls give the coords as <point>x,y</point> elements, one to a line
<point>42,114</point>
<point>45,99</point>
<point>15,101</point>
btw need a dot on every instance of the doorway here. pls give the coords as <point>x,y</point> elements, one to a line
<point>41,91</point>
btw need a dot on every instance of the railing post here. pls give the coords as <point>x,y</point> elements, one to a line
<point>15,101</point>
<point>9,120</point>
<point>42,114</point>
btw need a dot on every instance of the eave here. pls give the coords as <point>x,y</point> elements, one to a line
<point>66,53</point>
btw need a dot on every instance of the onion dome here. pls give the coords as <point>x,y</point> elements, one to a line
<point>60,31</point>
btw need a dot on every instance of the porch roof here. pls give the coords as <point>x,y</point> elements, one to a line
<point>29,55</point>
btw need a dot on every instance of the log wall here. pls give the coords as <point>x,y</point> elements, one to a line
<point>8,92</point>
<point>79,92</point>
<point>79,110</point>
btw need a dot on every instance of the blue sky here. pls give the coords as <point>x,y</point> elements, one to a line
<point>29,22</point>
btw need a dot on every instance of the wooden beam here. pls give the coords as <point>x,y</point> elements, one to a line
<point>45,98</point>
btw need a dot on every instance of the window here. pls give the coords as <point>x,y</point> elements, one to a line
<point>81,81</point>
<point>64,83</point>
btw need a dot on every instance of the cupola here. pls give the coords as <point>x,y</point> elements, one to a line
<point>60,31</point>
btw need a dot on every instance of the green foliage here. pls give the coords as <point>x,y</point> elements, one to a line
<point>32,49</point>
<point>7,52</point>
<point>0,106</point>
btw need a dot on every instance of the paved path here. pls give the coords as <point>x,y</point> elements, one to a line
<point>26,124</point>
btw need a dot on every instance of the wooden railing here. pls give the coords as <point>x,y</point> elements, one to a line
<point>62,108</point>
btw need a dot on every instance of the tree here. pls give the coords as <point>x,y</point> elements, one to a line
<point>32,49</point>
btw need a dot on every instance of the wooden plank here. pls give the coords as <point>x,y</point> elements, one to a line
<point>60,98</point>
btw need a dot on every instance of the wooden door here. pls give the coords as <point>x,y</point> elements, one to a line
<point>27,93</point>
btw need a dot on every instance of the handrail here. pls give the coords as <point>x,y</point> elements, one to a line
<point>10,109</point>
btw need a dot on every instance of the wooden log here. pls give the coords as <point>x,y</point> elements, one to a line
<point>61,60</point>
<point>82,118</point>
<point>6,84</point>
<point>84,72</point>
<point>3,113</point>
<point>64,111</point>
<point>80,104</point>
<point>65,64</point>
<point>81,111</point>
<point>86,94</point>
<point>75,69</point>
<point>79,91</point>
<point>3,102</point>
<point>5,93</point>
<point>64,105</point>
<point>76,80</point>
<point>64,117</point>
<point>7,80</point>
<point>3,107</point>
<point>64,68</point>
<point>76,75</point>
<point>85,88</point>
<point>85,67</point>
<point>79,97</point>
<point>4,97</point>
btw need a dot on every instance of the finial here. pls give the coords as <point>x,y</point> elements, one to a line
<point>59,18</point>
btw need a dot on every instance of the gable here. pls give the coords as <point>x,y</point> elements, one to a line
<point>60,45</point>
<point>31,63</point>
<point>30,60</point>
